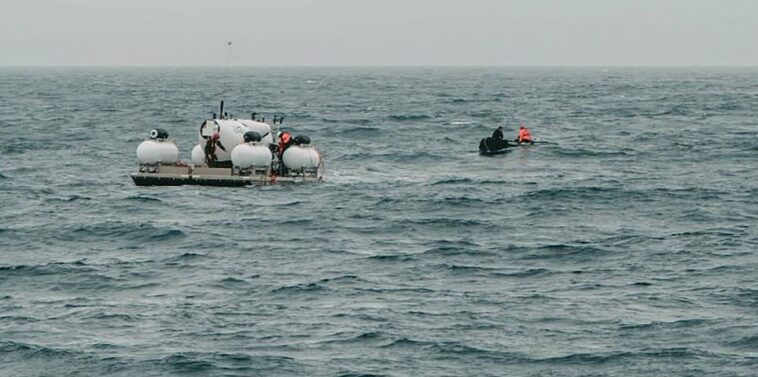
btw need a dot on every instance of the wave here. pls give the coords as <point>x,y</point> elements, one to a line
<point>466,270</point>
<point>588,194</point>
<point>362,130</point>
<point>446,221</point>
<point>659,325</point>
<point>403,156</point>
<point>210,363</point>
<point>629,240</point>
<point>359,316</point>
<point>184,257</point>
<point>589,153</point>
<point>297,222</point>
<point>598,358</point>
<point>465,201</point>
<point>565,252</point>
<point>723,233</point>
<point>745,297</point>
<point>188,363</point>
<point>54,268</point>
<point>749,342</point>
<point>641,284</point>
<point>111,318</point>
<point>369,337</point>
<point>532,272</point>
<point>300,288</point>
<point>449,248</point>
<point>398,290</point>
<point>143,199</point>
<point>29,350</point>
<point>329,120</point>
<point>467,182</point>
<point>67,199</point>
<point>408,117</point>
<point>231,281</point>
<point>17,319</point>
<point>293,203</point>
<point>453,348</point>
<point>393,257</point>
<point>112,230</point>
<point>341,279</point>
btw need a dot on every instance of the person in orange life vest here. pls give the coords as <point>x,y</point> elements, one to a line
<point>285,140</point>
<point>524,136</point>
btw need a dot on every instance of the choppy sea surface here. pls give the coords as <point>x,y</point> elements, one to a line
<point>625,247</point>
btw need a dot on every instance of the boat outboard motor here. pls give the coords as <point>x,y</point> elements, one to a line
<point>252,136</point>
<point>302,140</point>
<point>158,133</point>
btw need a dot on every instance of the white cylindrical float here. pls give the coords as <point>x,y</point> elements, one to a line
<point>198,155</point>
<point>157,151</point>
<point>299,157</point>
<point>251,155</point>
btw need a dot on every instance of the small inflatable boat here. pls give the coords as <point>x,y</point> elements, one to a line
<point>230,152</point>
<point>490,146</point>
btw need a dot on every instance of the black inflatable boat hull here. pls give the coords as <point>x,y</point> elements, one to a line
<point>489,146</point>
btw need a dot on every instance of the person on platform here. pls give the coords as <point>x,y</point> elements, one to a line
<point>210,150</point>
<point>285,140</point>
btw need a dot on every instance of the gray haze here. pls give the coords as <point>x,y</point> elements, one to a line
<point>378,32</point>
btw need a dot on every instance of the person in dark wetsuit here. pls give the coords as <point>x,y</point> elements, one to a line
<point>210,150</point>
<point>498,134</point>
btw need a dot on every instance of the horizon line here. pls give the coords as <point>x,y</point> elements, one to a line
<point>388,66</point>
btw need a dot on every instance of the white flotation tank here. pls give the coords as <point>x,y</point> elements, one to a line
<point>157,149</point>
<point>298,157</point>
<point>198,155</point>
<point>248,155</point>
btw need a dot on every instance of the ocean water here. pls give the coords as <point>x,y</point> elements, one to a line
<point>625,247</point>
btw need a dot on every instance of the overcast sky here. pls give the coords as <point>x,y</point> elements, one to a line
<point>378,32</point>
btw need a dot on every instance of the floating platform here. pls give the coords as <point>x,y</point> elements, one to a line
<point>168,175</point>
<point>230,152</point>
